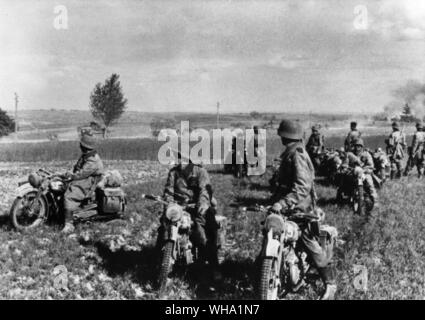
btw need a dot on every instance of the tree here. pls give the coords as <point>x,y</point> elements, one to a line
<point>107,101</point>
<point>255,114</point>
<point>7,124</point>
<point>407,111</point>
<point>407,115</point>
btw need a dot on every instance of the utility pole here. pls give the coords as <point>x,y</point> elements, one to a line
<point>218,114</point>
<point>16,115</point>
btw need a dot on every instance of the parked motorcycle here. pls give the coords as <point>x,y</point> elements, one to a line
<point>350,186</point>
<point>39,199</point>
<point>178,247</point>
<point>285,266</point>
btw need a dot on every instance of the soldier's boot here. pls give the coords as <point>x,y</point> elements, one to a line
<point>328,275</point>
<point>420,171</point>
<point>69,226</point>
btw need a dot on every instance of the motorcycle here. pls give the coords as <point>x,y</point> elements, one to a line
<point>178,247</point>
<point>284,266</point>
<point>350,186</point>
<point>39,199</point>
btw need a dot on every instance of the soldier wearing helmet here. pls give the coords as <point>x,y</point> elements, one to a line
<point>396,145</point>
<point>353,134</point>
<point>84,177</point>
<point>359,158</point>
<point>315,146</point>
<point>188,182</point>
<point>295,193</point>
<point>417,148</point>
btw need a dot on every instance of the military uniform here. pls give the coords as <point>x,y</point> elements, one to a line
<point>396,144</point>
<point>315,146</point>
<point>296,190</point>
<point>363,160</point>
<point>417,150</point>
<point>86,174</point>
<point>382,164</point>
<point>191,184</point>
<point>351,137</point>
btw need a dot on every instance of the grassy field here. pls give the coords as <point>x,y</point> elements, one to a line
<point>134,149</point>
<point>116,260</point>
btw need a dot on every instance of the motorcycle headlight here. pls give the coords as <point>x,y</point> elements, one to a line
<point>35,180</point>
<point>174,212</point>
<point>56,185</point>
<point>291,231</point>
<point>274,222</point>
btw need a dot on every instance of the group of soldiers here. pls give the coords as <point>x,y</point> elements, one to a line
<point>378,165</point>
<point>295,191</point>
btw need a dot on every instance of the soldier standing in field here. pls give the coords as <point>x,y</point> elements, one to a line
<point>352,135</point>
<point>315,146</point>
<point>86,174</point>
<point>295,193</point>
<point>417,148</point>
<point>396,144</point>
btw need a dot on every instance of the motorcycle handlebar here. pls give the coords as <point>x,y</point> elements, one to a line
<point>161,200</point>
<point>290,215</point>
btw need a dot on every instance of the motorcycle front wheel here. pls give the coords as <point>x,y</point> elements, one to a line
<point>358,201</point>
<point>165,266</point>
<point>28,212</point>
<point>268,286</point>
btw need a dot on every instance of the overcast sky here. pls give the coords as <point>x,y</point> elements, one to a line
<point>274,56</point>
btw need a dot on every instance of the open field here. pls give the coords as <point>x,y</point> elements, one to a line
<point>135,149</point>
<point>116,260</point>
<point>38,125</point>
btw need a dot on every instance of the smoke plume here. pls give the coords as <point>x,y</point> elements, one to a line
<point>412,94</point>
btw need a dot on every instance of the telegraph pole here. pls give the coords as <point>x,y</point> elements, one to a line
<point>218,114</point>
<point>16,115</point>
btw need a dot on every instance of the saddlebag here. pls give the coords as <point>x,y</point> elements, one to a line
<point>111,200</point>
<point>328,235</point>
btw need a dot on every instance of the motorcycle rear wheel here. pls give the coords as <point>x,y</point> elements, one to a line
<point>358,201</point>
<point>27,212</point>
<point>268,287</point>
<point>165,266</point>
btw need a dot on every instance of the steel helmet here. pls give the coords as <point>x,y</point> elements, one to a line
<point>88,140</point>
<point>290,130</point>
<point>358,142</point>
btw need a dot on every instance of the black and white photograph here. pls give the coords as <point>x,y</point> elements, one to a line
<point>220,150</point>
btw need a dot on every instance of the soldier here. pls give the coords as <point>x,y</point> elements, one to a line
<point>296,192</point>
<point>190,183</point>
<point>417,149</point>
<point>315,146</point>
<point>360,158</point>
<point>382,164</point>
<point>352,135</point>
<point>396,144</point>
<point>86,174</point>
